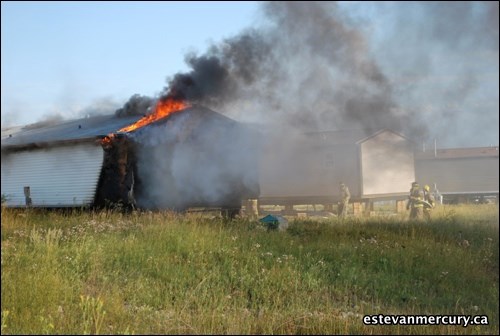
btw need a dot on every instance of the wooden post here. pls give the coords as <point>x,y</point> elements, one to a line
<point>400,206</point>
<point>368,208</point>
<point>252,208</point>
<point>357,208</point>
<point>289,209</point>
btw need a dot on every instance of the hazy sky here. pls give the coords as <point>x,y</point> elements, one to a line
<point>439,61</point>
<point>61,57</point>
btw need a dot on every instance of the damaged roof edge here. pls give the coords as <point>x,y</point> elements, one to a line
<point>46,144</point>
<point>85,129</point>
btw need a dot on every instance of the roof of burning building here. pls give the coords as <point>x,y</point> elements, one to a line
<point>69,130</point>
<point>96,127</point>
<point>187,118</point>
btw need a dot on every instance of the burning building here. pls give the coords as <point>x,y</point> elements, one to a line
<point>177,157</point>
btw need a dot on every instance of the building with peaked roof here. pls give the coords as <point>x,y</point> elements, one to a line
<point>55,165</point>
<point>308,168</point>
<point>175,162</point>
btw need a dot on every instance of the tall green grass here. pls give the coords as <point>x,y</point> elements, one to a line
<point>105,272</point>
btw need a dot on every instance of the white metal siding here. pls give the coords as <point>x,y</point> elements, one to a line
<point>61,176</point>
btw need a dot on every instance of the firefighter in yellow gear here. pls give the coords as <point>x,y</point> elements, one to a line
<point>429,202</point>
<point>415,202</point>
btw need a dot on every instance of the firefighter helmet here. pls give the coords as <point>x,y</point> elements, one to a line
<point>426,187</point>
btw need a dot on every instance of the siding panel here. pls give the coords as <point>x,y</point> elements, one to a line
<point>61,176</point>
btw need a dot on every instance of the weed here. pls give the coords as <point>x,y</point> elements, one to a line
<point>5,314</point>
<point>92,314</point>
<point>106,272</point>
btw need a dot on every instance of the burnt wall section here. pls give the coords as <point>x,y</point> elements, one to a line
<point>196,158</point>
<point>117,181</point>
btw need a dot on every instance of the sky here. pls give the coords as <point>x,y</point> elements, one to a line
<point>435,65</point>
<point>61,57</point>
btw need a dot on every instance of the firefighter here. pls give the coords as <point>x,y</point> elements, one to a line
<point>408,204</point>
<point>345,197</point>
<point>429,202</point>
<point>415,203</point>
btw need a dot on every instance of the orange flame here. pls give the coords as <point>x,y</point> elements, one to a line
<point>106,141</point>
<point>163,108</point>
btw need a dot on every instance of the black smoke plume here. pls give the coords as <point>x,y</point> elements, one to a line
<point>136,105</point>
<point>313,66</point>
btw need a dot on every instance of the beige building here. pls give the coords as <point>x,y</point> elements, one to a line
<point>307,168</point>
<point>459,174</point>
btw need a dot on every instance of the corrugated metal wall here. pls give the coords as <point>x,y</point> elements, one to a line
<point>62,176</point>
<point>462,175</point>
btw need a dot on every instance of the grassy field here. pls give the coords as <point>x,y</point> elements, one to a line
<point>163,273</point>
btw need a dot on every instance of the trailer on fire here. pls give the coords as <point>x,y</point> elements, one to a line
<point>192,158</point>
